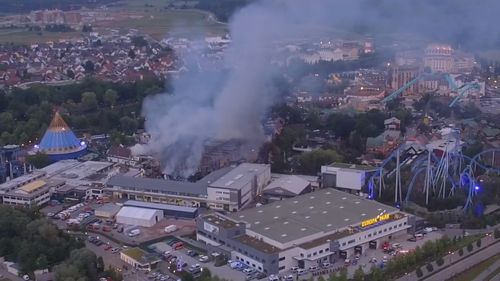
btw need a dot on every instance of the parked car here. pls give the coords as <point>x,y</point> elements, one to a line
<point>178,246</point>
<point>273,277</point>
<point>192,253</point>
<point>203,259</point>
<point>107,248</point>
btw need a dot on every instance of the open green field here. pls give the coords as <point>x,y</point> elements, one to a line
<point>147,16</point>
<point>473,272</point>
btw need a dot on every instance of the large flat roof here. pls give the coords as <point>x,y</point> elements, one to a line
<point>32,186</point>
<point>158,185</point>
<point>239,176</point>
<point>326,210</point>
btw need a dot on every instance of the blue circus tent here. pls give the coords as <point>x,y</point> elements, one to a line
<point>59,142</point>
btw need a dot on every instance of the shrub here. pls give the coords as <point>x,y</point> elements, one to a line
<point>440,261</point>
<point>461,252</point>
<point>496,233</point>
<point>478,243</point>
<point>429,267</point>
<point>419,272</point>
<point>469,247</point>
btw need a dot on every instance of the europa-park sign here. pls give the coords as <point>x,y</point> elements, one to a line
<point>379,218</point>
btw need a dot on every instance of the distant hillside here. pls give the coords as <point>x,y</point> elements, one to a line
<point>21,6</point>
<point>223,9</point>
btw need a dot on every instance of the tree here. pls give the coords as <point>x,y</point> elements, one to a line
<point>461,252</point>
<point>70,73</point>
<point>89,66</point>
<point>341,124</point>
<point>42,262</point>
<point>110,97</point>
<point>469,247</point>
<point>131,54</point>
<point>89,100</point>
<point>440,261</point>
<point>128,125</point>
<point>321,278</point>
<point>496,233</point>
<point>478,243</point>
<point>81,265</point>
<point>205,275</point>
<point>429,267</point>
<point>343,274</point>
<point>100,264</point>
<point>311,162</point>
<point>419,272</point>
<point>187,277</point>
<point>39,160</point>
<point>359,274</point>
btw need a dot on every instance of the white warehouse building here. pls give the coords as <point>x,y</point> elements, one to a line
<point>139,216</point>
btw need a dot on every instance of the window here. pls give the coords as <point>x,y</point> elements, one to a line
<point>315,253</point>
<point>404,223</point>
<point>321,251</point>
<point>390,228</point>
<point>273,261</point>
<point>400,224</point>
<point>302,254</point>
<point>253,264</point>
<point>385,229</point>
<point>308,255</point>
<point>327,249</point>
<point>281,267</point>
<point>380,231</point>
<point>343,244</point>
<point>282,258</point>
<point>370,235</point>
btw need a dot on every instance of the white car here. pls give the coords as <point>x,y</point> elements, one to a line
<point>203,259</point>
<point>301,271</point>
<point>313,268</point>
<point>273,277</point>
<point>428,229</point>
<point>288,278</point>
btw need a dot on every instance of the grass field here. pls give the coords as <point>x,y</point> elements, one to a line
<point>471,273</point>
<point>148,16</point>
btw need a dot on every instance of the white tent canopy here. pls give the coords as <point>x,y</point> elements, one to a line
<point>139,216</point>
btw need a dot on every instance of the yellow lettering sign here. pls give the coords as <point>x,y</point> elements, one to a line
<point>375,220</point>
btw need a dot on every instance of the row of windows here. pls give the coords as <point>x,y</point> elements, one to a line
<point>159,191</point>
<point>248,263</point>
<point>315,253</point>
<point>375,233</point>
<point>222,192</point>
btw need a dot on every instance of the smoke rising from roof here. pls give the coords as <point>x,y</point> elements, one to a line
<point>231,104</point>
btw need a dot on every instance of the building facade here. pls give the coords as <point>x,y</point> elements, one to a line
<point>301,231</point>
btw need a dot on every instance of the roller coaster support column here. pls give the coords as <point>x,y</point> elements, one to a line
<point>397,190</point>
<point>428,177</point>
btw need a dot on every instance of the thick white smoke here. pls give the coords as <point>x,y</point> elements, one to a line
<point>231,104</point>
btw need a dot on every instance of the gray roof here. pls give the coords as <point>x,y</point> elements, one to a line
<point>158,185</point>
<point>322,211</point>
<point>352,166</point>
<point>291,183</point>
<point>109,208</point>
<point>238,177</point>
<point>159,206</point>
<point>215,175</point>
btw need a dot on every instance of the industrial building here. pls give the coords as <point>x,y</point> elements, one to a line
<point>108,210</point>
<point>303,231</point>
<point>285,186</point>
<point>139,216</point>
<point>238,187</point>
<point>228,188</point>
<point>168,210</point>
<point>345,176</point>
<point>59,142</point>
<point>139,259</point>
<point>68,180</point>
<point>35,193</point>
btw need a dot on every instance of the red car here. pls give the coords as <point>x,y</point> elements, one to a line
<point>178,245</point>
<point>107,248</point>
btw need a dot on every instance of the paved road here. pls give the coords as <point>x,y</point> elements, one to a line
<point>465,263</point>
<point>482,276</point>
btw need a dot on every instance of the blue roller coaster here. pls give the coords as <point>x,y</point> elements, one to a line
<point>440,170</point>
<point>461,91</point>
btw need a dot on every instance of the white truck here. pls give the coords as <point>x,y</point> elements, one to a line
<point>134,232</point>
<point>170,228</point>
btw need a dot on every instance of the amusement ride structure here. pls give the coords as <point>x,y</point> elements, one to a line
<point>438,169</point>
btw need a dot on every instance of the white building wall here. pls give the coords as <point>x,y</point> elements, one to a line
<point>289,261</point>
<point>145,222</point>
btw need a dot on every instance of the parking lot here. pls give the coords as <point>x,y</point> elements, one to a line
<point>222,271</point>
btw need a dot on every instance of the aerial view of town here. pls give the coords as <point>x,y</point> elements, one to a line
<point>211,140</point>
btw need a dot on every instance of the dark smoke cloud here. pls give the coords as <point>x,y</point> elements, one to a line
<point>230,104</point>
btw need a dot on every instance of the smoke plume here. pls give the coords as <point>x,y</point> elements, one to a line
<point>231,103</point>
